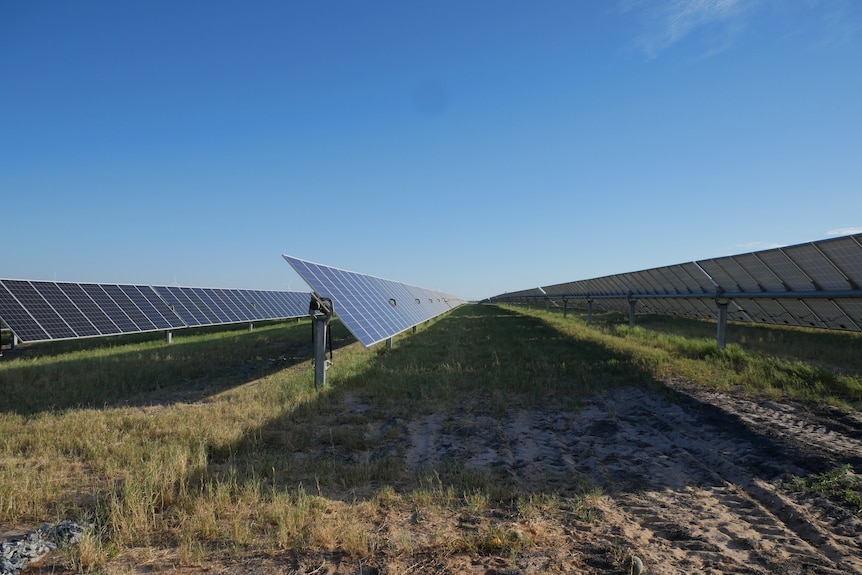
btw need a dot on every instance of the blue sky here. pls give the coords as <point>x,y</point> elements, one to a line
<point>474,147</point>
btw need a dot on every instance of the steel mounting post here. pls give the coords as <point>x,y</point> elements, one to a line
<point>721,315</point>
<point>321,311</point>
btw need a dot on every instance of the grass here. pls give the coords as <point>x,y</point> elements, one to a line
<point>796,363</point>
<point>842,485</point>
<point>218,443</point>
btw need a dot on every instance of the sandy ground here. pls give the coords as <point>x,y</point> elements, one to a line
<point>693,484</point>
<point>690,482</point>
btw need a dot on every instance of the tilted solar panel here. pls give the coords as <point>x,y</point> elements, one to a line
<point>89,308</point>
<point>373,309</point>
<point>66,309</point>
<point>43,311</point>
<point>815,284</point>
<point>18,318</point>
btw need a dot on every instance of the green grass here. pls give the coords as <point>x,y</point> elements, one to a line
<point>801,364</point>
<point>219,442</point>
<point>841,485</point>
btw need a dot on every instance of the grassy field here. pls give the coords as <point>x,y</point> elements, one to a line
<point>217,446</point>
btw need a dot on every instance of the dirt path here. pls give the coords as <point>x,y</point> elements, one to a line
<point>691,484</point>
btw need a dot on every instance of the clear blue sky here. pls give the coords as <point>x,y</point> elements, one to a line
<point>474,147</point>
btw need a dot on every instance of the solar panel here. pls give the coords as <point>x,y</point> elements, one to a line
<point>846,254</point>
<point>41,311</point>
<point>18,319</point>
<point>88,307</point>
<point>66,309</point>
<point>110,308</point>
<point>142,322</point>
<point>817,267</point>
<point>159,312</point>
<point>44,310</point>
<point>262,307</point>
<point>853,310</point>
<point>762,274</point>
<point>229,306</point>
<point>719,275</point>
<point>738,274</point>
<point>373,309</point>
<point>787,271</point>
<point>179,304</point>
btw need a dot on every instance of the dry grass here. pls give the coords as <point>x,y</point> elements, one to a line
<point>219,446</point>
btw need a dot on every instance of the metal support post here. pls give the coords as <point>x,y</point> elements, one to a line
<point>14,341</point>
<point>414,329</point>
<point>565,308</point>
<point>250,326</point>
<point>547,305</point>
<point>589,311</point>
<point>388,343</point>
<point>169,336</point>
<point>721,336</point>
<point>320,310</point>
<point>632,304</point>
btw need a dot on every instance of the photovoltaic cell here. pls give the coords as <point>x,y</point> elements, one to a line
<point>810,260</point>
<point>18,319</point>
<point>787,271</point>
<point>94,313</point>
<point>208,306</point>
<point>262,307</point>
<point>719,276</point>
<point>129,307</point>
<point>179,304</point>
<point>160,306</point>
<point>814,284</point>
<point>66,309</point>
<point>40,309</point>
<point>738,274</point>
<point>45,310</point>
<point>111,309</point>
<point>230,304</point>
<point>372,308</point>
<point>853,310</point>
<point>146,307</point>
<point>846,254</point>
<point>765,278</point>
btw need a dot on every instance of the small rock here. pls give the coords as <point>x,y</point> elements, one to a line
<point>633,565</point>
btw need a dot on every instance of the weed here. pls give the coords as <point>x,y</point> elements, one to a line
<point>842,485</point>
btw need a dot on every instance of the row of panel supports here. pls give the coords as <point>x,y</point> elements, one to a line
<point>721,315</point>
<point>169,335</point>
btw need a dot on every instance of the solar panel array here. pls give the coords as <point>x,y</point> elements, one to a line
<point>817,284</point>
<point>373,309</point>
<point>43,311</point>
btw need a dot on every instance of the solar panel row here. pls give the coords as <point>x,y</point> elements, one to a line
<point>42,310</point>
<point>373,309</point>
<point>813,285</point>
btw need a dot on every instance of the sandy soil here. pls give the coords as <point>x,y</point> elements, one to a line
<point>690,482</point>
